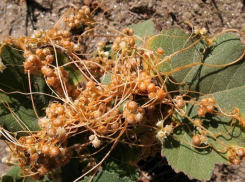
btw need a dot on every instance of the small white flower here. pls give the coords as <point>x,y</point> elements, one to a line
<point>159,124</point>
<point>96,143</point>
<point>203,31</point>
<point>161,135</point>
<point>5,160</point>
<point>168,129</point>
<point>196,30</point>
<point>105,54</point>
<point>2,66</point>
<point>139,117</point>
<point>204,139</point>
<point>92,137</point>
<point>7,149</point>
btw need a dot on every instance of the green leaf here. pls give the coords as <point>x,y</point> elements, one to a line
<point>117,165</point>
<point>226,84</point>
<point>16,110</point>
<point>75,75</point>
<point>225,49</point>
<point>41,100</point>
<point>171,41</point>
<point>105,176</point>
<point>120,160</point>
<point>199,163</point>
<point>13,176</point>
<point>73,170</point>
<point>105,79</point>
<point>143,29</point>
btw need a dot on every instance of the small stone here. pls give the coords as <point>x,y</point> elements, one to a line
<point>187,15</point>
<point>196,8</point>
<point>233,23</point>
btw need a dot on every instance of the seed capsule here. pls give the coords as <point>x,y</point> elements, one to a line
<point>52,81</point>
<point>161,94</point>
<point>160,51</point>
<point>22,140</point>
<point>33,59</point>
<point>38,34</point>
<point>240,152</point>
<point>46,51</point>
<point>114,47</point>
<point>118,40</point>
<point>103,129</point>
<point>87,11</point>
<point>60,109</point>
<point>196,140</point>
<point>197,122</point>
<point>132,106</point>
<point>151,108</point>
<point>151,87</point>
<point>58,122</point>
<point>97,114</point>
<point>61,132</point>
<point>201,112</point>
<point>142,87</point>
<point>131,119</point>
<point>151,95</point>
<point>45,149</point>
<point>54,152</point>
<point>204,102</point>
<point>209,108</point>
<point>31,150</point>
<point>147,80</point>
<point>130,31</point>
<point>71,25</point>
<point>141,110</point>
<point>49,59</point>
<point>131,42</point>
<point>54,105</point>
<point>34,157</point>
<point>211,100</point>
<point>51,132</point>
<point>27,65</point>
<point>90,84</point>
<point>66,43</point>
<point>125,30</point>
<point>180,103</point>
<point>42,171</point>
<point>66,33</point>
<point>234,160</point>
<point>47,71</point>
<point>29,140</point>
<point>27,53</point>
<point>114,126</point>
<point>39,52</point>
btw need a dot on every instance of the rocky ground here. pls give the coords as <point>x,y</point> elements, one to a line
<point>22,17</point>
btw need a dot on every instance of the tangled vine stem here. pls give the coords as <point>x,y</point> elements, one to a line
<point>119,96</point>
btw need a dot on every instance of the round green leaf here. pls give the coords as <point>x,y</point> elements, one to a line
<point>225,83</point>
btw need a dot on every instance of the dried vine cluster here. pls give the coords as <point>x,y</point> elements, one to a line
<point>121,97</point>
